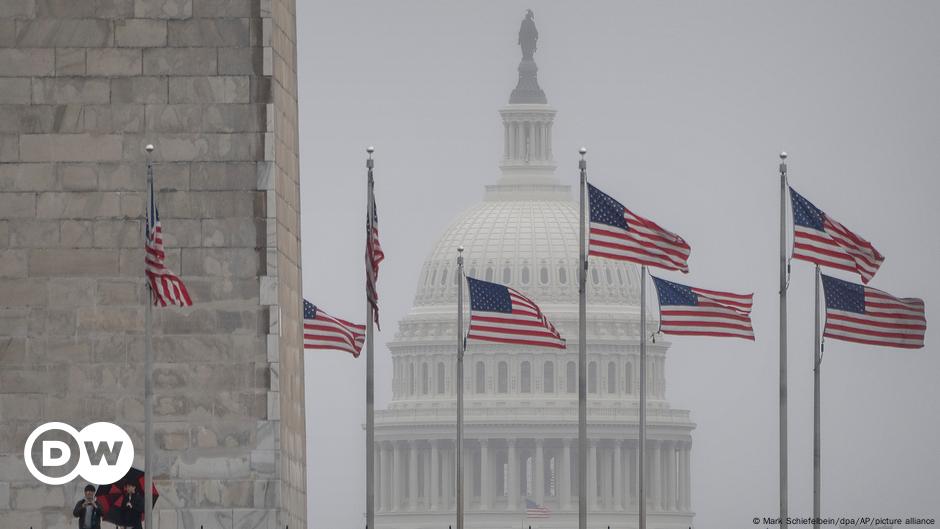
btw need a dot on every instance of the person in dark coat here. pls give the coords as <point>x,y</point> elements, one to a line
<point>88,510</point>
<point>132,507</point>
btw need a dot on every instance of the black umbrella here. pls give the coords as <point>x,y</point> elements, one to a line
<point>111,497</point>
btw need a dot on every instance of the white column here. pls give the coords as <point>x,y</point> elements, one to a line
<point>655,476</point>
<point>413,476</point>
<point>674,454</point>
<point>565,473</point>
<point>396,476</point>
<point>447,478</point>
<point>485,479</point>
<point>426,486</point>
<point>592,474</point>
<point>468,476</point>
<point>377,477</point>
<point>539,471</point>
<point>513,464</point>
<point>632,472</point>
<point>618,475</point>
<point>548,142</point>
<point>435,477</point>
<point>506,140</point>
<point>687,458</point>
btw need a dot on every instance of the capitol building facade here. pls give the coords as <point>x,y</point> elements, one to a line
<point>521,403</point>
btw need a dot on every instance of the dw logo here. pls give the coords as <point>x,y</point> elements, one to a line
<point>105,453</point>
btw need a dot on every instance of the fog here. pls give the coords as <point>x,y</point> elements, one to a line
<point>684,107</point>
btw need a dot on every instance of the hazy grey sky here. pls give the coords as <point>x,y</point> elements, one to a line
<point>684,107</point>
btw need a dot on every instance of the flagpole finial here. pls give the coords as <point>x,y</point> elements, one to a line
<point>370,149</point>
<point>783,155</point>
<point>149,148</point>
<point>582,151</point>
<point>460,249</point>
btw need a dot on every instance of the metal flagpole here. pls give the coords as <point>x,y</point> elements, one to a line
<point>460,349</point>
<point>642,455</point>
<point>148,371</point>
<point>817,361</point>
<point>370,361</point>
<point>783,340</point>
<point>582,356</point>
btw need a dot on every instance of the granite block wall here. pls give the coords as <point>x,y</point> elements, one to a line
<point>84,85</point>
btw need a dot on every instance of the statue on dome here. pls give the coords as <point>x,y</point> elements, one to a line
<point>528,36</point>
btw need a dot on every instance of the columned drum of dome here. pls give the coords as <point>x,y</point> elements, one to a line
<point>521,402</point>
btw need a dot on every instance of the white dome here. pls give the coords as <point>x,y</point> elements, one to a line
<point>528,241</point>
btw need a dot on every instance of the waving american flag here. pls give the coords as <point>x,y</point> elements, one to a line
<point>618,233</point>
<point>322,331</point>
<point>698,312</point>
<point>167,287</point>
<point>374,255</point>
<point>820,239</point>
<point>860,314</point>
<point>504,315</point>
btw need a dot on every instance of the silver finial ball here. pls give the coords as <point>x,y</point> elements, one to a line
<point>783,156</point>
<point>370,149</point>
<point>583,151</point>
<point>460,249</point>
<point>149,147</point>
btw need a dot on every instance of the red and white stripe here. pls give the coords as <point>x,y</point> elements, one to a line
<point>836,247</point>
<point>721,314</point>
<point>645,243</point>
<point>887,321</point>
<point>167,287</point>
<point>326,332</point>
<point>526,325</point>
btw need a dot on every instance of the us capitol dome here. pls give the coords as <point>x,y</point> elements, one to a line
<point>521,402</point>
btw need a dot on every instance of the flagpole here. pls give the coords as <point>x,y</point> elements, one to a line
<point>370,363</point>
<point>817,362</point>
<point>783,340</point>
<point>642,456</point>
<point>582,355</point>
<point>460,350</point>
<point>148,374</point>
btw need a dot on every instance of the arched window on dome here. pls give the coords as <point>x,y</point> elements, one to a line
<point>562,274</point>
<point>525,376</point>
<point>571,378</point>
<point>444,276</point>
<point>628,378</point>
<point>611,377</point>
<point>440,378</point>
<point>592,377</point>
<point>524,276</point>
<point>610,277</point>
<point>502,375</point>
<point>620,275</point>
<point>507,274</point>
<point>411,380</point>
<point>548,377</point>
<point>473,271</point>
<point>433,279</point>
<point>480,378</point>
<point>425,381</point>
<point>595,277</point>
<point>489,273</point>
<point>543,274</point>
<point>455,277</point>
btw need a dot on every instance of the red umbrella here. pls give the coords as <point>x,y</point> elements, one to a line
<point>111,497</point>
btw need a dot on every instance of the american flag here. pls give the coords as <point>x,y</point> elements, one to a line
<point>504,315</point>
<point>374,256</point>
<point>618,233</point>
<point>322,331</point>
<point>698,312</point>
<point>167,287</point>
<point>534,510</point>
<point>860,314</point>
<point>819,239</point>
